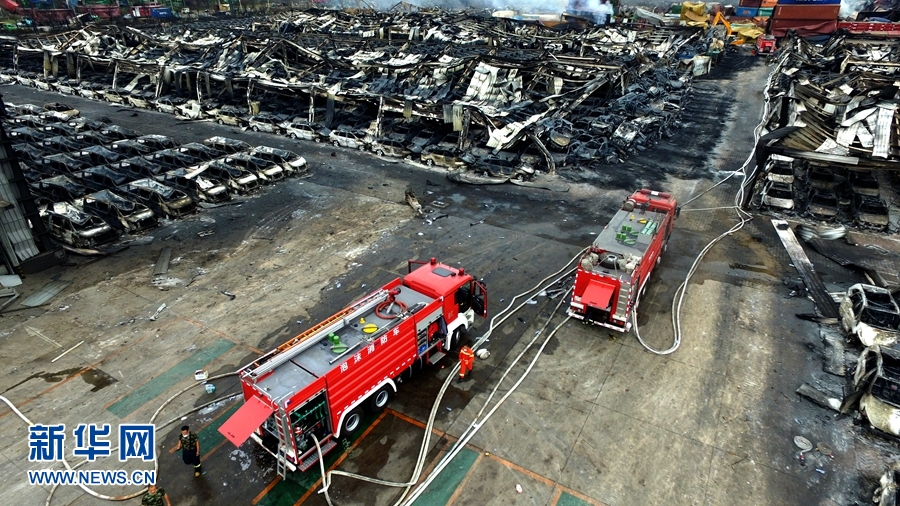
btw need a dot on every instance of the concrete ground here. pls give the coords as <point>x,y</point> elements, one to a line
<point>597,421</point>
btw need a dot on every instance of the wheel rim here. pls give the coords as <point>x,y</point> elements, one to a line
<point>381,398</point>
<point>430,163</point>
<point>293,136</point>
<point>352,422</point>
<point>379,153</point>
<point>256,129</point>
<point>336,144</point>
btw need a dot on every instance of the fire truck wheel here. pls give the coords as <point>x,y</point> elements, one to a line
<point>352,421</point>
<point>455,339</point>
<point>380,399</point>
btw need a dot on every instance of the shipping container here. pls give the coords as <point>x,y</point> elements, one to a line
<point>765,12</point>
<point>809,2</point>
<point>807,12</point>
<point>746,12</point>
<point>805,27</point>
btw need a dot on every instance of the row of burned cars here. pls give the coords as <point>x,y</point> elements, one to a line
<point>823,193</point>
<point>428,142</point>
<point>95,181</point>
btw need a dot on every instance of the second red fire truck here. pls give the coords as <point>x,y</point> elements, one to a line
<point>322,381</point>
<point>617,266</point>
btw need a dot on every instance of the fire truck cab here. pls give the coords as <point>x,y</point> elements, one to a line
<point>616,268</point>
<point>322,381</point>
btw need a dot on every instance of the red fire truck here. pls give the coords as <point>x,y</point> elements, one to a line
<point>321,382</point>
<point>619,262</point>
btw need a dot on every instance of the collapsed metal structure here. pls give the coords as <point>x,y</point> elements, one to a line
<point>590,94</point>
<point>833,138</point>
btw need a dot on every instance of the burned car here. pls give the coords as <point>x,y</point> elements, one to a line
<point>59,189</point>
<point>163,200</point>
<point>68,224</point>
<point>28,134</point>
<point>780,169</point>
<point>389,147</point>
<point>230,115</point>
<point>301,129</point>
<point>235,178</point>
<point>348,139</point>
<point>266,171</point>
<point>59,129</point>
<point>265,123</point>
<point>196,185</point>
<point>494,166</point>
<point>119,212</point>
<point>131,148</point>
<point>444,157</point>
<point>877,384</point>
<point>226,145</point>
<point>822,205</point>
<point>156,141</point>
<point>172,159</point>
<point>62,144</point>
<point>119,133</point>
<point>139,167</point>
<point>85,124</point>
<point>870,212</point>
<point>169,105</point>
<point>97,155</point>
<point>101,178</point>
<point>864,183</point>
<point>92,138</point>
<point>291,162</point>
<point>778,194</point>
<point>871,314</point>
<point>60,163</point>
<point>200,151</point>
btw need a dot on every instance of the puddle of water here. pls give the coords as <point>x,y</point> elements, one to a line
<point>49,377</point>
<point>98,379</point>
<point>762,269</point>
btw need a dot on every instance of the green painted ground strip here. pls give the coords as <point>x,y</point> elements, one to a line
<point>570,500</point>
<point>289,490</point>
<point>444,485</point>
<point>171,377</point>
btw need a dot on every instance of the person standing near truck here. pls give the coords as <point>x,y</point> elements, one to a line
<point>189,444</point>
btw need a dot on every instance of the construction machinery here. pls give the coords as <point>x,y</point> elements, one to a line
<point>318,385</point>
<point>616,268</point>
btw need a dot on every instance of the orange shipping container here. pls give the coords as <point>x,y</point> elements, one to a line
<point>769,3</point>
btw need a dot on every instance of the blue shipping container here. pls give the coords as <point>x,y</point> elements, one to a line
<point>162,12</point>
<point>746,12</point>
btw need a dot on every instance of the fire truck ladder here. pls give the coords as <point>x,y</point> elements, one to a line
<point>283,425</point>
<point>622,304</point>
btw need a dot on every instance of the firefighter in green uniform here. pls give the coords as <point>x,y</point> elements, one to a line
<point>155,497</point>
<point>189,444</point>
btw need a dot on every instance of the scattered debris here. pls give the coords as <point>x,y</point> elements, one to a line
<point>205,233</point>
<point>46,293</point>
<point>61,355</point>
<point>157,313</point>
<point>230,296</point>
<point>413,202</point>
<point>819,397</point>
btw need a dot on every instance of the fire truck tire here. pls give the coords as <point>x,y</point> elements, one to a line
<point>380,399</point>
<point>414,368</point>
<point>352,421</point>
<point>456,338</point>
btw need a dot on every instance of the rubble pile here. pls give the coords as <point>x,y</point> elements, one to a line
<point>500,96</point>
<point>833,151</point>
